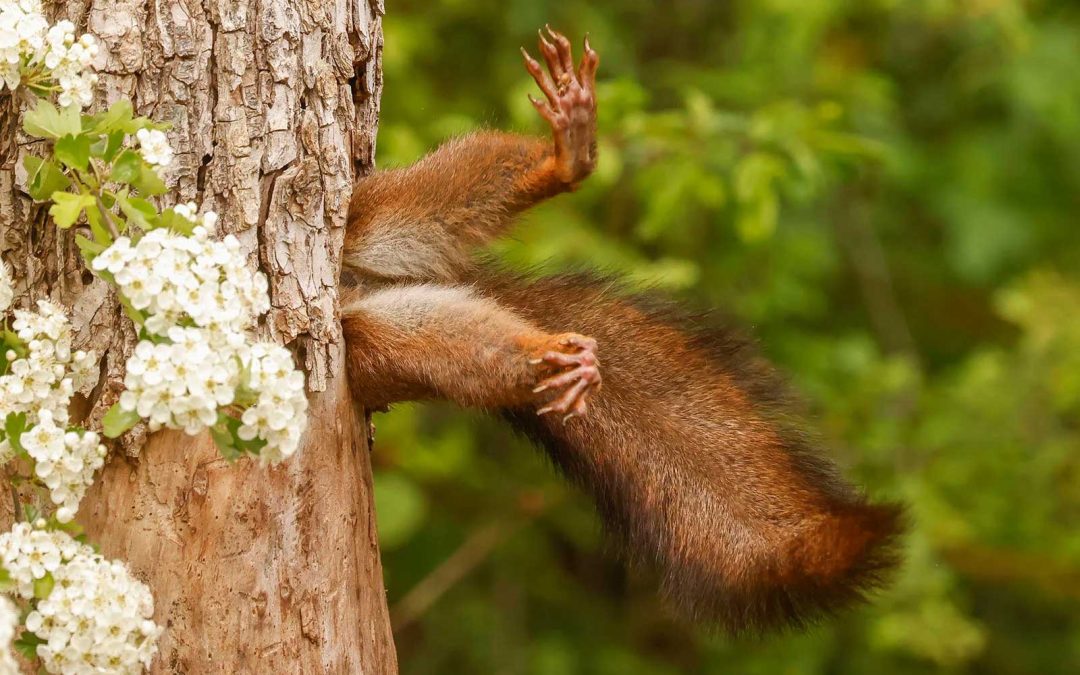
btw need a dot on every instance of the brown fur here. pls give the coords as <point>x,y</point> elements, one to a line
<point>409,342</point>
<point>695,466</point>
<point>418,222</point>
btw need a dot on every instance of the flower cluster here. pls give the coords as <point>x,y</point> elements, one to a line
<point>96,618</point>
<point>9,620</point>
<point>190,212</point>
<point>179,280</point>
<point>65,462</point>
<point>33,52</point>
<point>199,299</point>
<point>69,60</point>
<point>154,147</point>
<point>182,384</point>
<point>22,33</point>
<point>30,553</point>
<point>48,373</point>
<point>39,385</point>
<point>279,412</point>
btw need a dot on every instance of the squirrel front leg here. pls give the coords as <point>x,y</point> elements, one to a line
<point>426,341</point>
<point>421,222</point>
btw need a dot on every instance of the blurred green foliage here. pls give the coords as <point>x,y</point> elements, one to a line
<point>886,191</point>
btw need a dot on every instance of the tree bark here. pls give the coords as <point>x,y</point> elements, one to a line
<point>274,105</point>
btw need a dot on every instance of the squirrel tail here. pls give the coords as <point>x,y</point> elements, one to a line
<point>696,468</point>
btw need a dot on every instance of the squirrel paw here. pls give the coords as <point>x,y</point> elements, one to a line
<point>577,354</point>
<point>570,108</point>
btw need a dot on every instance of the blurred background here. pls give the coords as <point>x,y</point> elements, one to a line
<point>886,192</point>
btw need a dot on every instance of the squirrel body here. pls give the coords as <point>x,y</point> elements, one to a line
<point>681,436</point>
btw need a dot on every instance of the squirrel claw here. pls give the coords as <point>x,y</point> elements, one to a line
<point>570,108</point>
<point>579,376</point>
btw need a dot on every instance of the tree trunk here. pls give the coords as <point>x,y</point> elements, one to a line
<point>274,105</point>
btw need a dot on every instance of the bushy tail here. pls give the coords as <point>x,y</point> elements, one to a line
<point>695,469</point>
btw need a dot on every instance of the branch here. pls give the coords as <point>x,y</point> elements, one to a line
<point>480,544</point>
<point>467,557</point>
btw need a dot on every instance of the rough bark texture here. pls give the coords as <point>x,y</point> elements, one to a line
<point>274,105</point>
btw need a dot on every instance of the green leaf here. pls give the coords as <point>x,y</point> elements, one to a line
<point>117,421</point>
<point>229,441</point>
<point>149,183</point>
<point>759,202</point>
<point>67,207</point>
<point>14,426</point>
<point>89,247</point>
<point>127,167</point>
<point>107,146</point>
<point>13,342</point>
<point>44,178</point>
<point>97,228</point>
<point>27,645</point>
<point>72,528</point>
<point>174,222</point>
<point>130,168</point>
<point>132,126</point>
<point>45,121</point>
<point>138,211</point>
<point>44,586</point>
<point>73,151</point>
<point>7,584</point>
<point>254,446</point>
<point>115,119</point>
<point>223,438</point>
<point>135,315</point>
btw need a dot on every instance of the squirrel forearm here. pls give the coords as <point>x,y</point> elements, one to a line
<point>424,341</point>
<point>422,222</point>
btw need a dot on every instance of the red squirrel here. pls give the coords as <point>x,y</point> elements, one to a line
<point>680,435</point>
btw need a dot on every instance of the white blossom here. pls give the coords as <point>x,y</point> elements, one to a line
<point>64,461</point>
<point>69,60</point>
<point>9,620</point>
<point>29,553</point>
<point>22,35</point>
<point>279,414</point>
<point>29,45</point>
<point>45,378</point>
<point>7,292</point>
<point>200,298</point>
<point>175,278</point>
<point>181,384</point>
<point>96,619</point>
<point>154,147</point>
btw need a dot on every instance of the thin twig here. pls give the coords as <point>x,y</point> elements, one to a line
<point>468,556</point>
<point>107,218</point>
<point>867,257</point>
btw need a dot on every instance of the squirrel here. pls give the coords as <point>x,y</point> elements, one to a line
<point>682,437</point>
